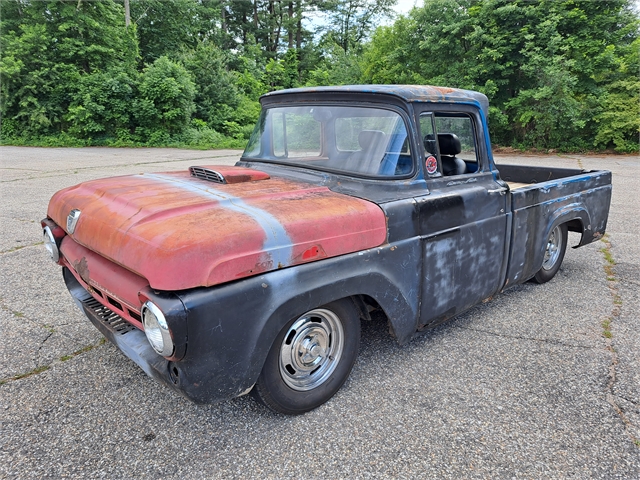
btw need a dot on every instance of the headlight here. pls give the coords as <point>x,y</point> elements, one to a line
<point>156,329</point>
<point>51,245</point>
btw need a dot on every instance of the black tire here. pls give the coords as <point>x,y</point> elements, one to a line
<point>553,254</point>
<point>310,359</point>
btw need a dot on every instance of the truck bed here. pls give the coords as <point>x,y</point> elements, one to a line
<point>520,175</point>
<point>540,199</point>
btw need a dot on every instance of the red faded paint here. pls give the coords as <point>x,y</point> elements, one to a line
<point>180,232</point>
<point>104,279</point>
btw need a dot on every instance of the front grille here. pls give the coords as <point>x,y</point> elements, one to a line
<point>115,321</point>
<point>207,174</point>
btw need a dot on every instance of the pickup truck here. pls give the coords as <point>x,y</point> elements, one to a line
<point>224,280</point>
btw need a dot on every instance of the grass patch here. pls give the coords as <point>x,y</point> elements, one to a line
<point>607,255</point>
<point>88,348</point>
<point>194,138</point>
<point>606,328</point>
<point>44,368</point>
<point>20,247</point>
<point>611,277</point>
<point>35,371</point>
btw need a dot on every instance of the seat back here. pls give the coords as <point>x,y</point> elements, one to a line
<point>450,146</point>
<point>373,144</point>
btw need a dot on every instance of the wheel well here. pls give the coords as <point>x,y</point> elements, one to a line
<point>575,225</point>
<point>369,309</point>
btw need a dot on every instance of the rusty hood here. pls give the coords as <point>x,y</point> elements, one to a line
<point>181,232</point>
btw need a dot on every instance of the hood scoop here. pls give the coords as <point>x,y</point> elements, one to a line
<point>224,174</point>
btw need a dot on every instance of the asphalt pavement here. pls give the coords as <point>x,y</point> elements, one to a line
<point>541,382</point>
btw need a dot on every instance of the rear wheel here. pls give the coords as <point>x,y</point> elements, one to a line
<point>310,359</point>
<point>553,254</point>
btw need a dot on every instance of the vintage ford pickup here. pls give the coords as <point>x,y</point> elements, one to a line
<point>219,280</point>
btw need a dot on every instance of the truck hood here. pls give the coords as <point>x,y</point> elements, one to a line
<point>180,232</point>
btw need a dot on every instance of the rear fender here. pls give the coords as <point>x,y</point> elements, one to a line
<point>576,215</point>
<point>572,214</point>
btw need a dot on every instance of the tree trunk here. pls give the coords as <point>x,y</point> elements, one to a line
<point>299,28</point>
<point>127,14</point>
<point>290,25</point>
<point>276,34</point>
<point>244,28</point>
<point>255,14</point>
<point>223,17</point>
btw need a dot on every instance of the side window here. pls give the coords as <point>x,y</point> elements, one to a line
<point>456,142</point>
<point>427,133</point>
<point>449,144</point>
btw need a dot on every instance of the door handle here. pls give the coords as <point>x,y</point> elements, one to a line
<point>498,190</point>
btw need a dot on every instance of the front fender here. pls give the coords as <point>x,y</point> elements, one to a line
<point>233,326</point>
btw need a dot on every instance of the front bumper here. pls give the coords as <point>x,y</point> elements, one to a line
<point>130,340</point>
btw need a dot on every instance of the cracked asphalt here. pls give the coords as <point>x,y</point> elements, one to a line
<point>541,382</point>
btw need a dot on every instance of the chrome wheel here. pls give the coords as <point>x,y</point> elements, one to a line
<point>311,349</point>
<point>554,247</point>
<point>553,254</point>
<point>310,359</point>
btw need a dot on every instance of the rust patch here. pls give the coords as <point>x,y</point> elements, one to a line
<point>443,89</point>
<point>82,268</point>
<point>259,267</point>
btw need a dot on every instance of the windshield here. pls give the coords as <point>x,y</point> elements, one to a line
<point>354,140</point>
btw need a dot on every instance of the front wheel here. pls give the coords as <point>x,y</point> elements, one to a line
<point>553,254</point>
<point>310,359</point>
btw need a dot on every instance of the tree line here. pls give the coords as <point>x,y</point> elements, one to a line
<point>559,74</point>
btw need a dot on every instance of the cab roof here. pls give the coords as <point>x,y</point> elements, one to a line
<point>408,93</point>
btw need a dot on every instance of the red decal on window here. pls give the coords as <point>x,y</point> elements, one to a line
<point>432,165</point>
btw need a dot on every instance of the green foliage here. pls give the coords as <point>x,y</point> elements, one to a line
<point>216,94</point>
<point>619,116</point>
<point>552,69</point>
<point>350,21</point>
<point>51,51</point>
<point>165,27</point>
<point>283,73</point>
<point>619,121</point>
<point>560,74</point>
<point>102,105</point>
<point>336,68</point>
<point>165,103</point>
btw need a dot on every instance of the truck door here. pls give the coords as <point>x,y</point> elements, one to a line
<point>462,219</point>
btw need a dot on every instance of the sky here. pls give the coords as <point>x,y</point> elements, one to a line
<point>403,6</point>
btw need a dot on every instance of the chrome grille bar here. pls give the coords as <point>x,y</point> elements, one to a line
<point>115,321</point>
<point>207,174</point>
